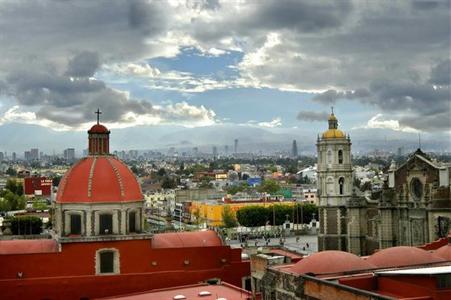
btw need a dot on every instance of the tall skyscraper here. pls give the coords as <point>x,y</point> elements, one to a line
<point>294,149</point>
<point>215,152</point>
<point>226,150</point>
<point>69,154</point>
<point>14,156</point>
<point>235,148</point>
<point>2,157</point>
<point>34,154</point>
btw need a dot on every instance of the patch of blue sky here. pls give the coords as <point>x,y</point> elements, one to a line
<point>193,61</point>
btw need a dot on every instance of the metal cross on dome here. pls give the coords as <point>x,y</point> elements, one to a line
<point>98,112</point>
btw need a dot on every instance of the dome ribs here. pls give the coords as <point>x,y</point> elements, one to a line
<point>118,176</point>
<point>91,174</point>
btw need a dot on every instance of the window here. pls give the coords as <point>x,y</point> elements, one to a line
<point>75,224</point>
<point>107,261</point>
<point>416,189</point>
<point>341,182</point>
<point>340,156</point>
<point>329,156</point>
<point>132,221</point>
<point>106,224</point>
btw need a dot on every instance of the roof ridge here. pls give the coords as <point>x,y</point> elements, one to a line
<point>91,174</point>
<point>118,176</point>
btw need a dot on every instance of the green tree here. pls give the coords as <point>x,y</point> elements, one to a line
<point>26,225</point>
<point>11,172</point>
<point>251,216</point>
<point>269,186</point>
<point>56,180</point>
<point>228,217</point>
<point>14,186</point>
<point>168,183</point>
<point>161,172</point>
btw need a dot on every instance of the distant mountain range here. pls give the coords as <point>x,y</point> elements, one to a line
<point>20,137</point>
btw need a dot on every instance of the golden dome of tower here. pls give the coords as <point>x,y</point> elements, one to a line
<point>333,132</point>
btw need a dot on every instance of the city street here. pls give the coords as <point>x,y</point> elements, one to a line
<point>290,243</point>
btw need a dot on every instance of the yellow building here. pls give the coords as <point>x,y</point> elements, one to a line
<point>211,212</point>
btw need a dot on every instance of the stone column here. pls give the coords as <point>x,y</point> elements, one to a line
<point>123,222</point>
<point>88,223</point>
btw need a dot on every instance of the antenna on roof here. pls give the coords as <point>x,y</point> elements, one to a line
<point>332,108</point>
<point>98,112</point>
<point>419,140</point>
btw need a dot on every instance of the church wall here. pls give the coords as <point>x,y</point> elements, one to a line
<point>51,275</point>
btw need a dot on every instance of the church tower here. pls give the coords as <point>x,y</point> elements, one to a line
<point>334,186</point>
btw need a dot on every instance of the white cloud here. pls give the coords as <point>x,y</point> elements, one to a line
<point>378,122</point>
<point>181,113</point>
<point>276,122</point>
<point>15,115</point>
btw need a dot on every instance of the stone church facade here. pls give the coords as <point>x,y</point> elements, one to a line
<point>413,208</point>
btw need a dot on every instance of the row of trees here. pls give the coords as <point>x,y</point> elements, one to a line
<point>277,214</point>
<point>11,197</point>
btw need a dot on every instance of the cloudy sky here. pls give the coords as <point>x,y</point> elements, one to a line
<point>270,64</point>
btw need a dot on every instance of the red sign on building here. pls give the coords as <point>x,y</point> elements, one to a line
<point>39,186</point>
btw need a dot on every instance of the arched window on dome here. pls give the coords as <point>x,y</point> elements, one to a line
<point>340,156</point>
<point>341,184</point>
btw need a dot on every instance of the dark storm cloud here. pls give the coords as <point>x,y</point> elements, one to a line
<point>84,64</point>
<point>425,4</point>
<point>331,96</point>
<point>50,58</point>
<point>312,116</point>
<point>303,16</point>
<point>441,73</point>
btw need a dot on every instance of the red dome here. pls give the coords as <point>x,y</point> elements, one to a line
<point>444,252</point>
<point>99,179</point>
<point>402,256</point>
<point>186,239</point>
<point>329,262</point>
<point>98,128</point>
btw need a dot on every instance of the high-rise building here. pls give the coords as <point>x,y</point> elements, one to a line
<point>235,148</point>
<point>2,157</point>
<point>215,152</point>
<point>34,154</point>
<point>334,186</point>
<point>27,155</point>
<point>294,149</point>
<point>69,154</point>
<point>226,150</point>
<point>14,156</point>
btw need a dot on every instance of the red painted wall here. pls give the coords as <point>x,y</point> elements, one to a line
<point>31,184</point>
<point>70,274</point>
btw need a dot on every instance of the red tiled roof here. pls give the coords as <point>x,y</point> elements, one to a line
<point>444,252</point>
<point>186,239</point>
<point>28,246</point>
<point>402,256</point>
<point>98,128</point>
<point>210,292</point>
<point>99,179</point>
<point>330,262</point>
